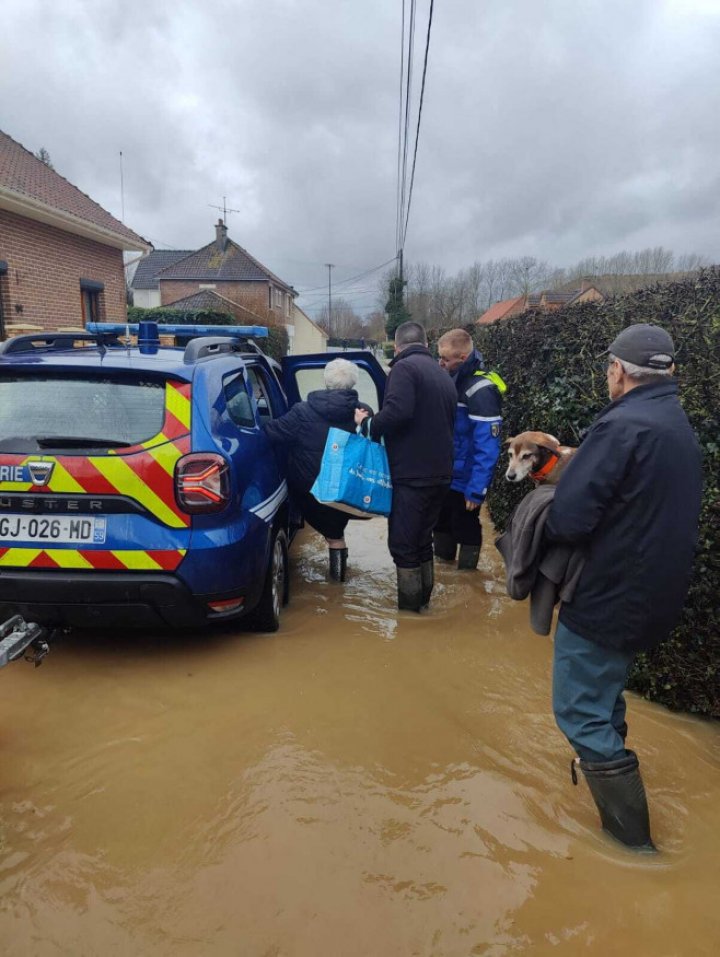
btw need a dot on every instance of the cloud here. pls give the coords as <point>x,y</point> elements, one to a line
<point>557,130</point>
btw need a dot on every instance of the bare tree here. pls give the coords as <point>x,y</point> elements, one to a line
<point>528,274</point>
<point>343,323</point>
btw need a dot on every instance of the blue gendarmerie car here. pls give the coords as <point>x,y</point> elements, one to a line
<point>136,484</point>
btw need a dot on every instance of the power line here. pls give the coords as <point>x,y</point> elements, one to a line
<point>417,131</point>
<point>400,113</point>
<point>404,194</point>
<point>360,275</point>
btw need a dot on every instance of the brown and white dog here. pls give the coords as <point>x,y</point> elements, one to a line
<point>537,455</point>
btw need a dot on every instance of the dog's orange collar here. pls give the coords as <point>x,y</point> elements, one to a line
<point>547,467</point>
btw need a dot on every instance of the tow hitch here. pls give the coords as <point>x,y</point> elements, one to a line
<point>20,638</point>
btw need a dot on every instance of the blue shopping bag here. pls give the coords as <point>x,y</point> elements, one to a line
<point>354,475</point>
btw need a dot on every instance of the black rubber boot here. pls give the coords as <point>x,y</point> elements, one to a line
<point>469,557</point>
<point>338,564</point>
<point>618,792</point>
<point>444,546</point>
<point>427,574</point>
<point>410,589</point>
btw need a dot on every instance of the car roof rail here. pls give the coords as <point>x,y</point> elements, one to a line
<point>209,347</point>
<point>44,341</point>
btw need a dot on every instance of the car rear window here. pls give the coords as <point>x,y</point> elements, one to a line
<point>70,412</point>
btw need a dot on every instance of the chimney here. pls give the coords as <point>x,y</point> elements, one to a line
<point>221,235</point>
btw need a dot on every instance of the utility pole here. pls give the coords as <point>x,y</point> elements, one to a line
<point>330,267</point>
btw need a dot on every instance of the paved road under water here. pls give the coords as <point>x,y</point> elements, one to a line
<point>362,783</point>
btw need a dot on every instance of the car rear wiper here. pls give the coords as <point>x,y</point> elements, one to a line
<point>78,442</point>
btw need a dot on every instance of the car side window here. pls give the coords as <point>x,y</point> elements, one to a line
<point>260,393</point>
<point>237,402</point>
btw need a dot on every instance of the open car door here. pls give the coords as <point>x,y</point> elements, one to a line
<point>304,374</point>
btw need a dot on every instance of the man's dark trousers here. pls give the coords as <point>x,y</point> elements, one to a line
<point>415,511</point>
<point>455,520</point>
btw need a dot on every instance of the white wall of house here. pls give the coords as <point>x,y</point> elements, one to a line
<point>146,298</point>
<point>307,337</point>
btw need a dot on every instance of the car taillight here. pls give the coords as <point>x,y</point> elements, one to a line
<point>202,482</point>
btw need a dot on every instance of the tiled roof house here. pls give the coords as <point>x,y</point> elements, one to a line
<point>502,310</point>
<point>229,270</point>
<point>146,292</point>
<point>61,254</point>
<point>549,300</point>
<point>224,277</point>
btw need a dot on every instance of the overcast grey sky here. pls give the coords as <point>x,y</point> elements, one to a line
<point>552,128</point>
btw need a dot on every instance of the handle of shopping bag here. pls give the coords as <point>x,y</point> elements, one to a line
<point>359,431</point>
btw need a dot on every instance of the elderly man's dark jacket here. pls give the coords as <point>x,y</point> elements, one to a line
<point>417,419</point>
<point>632,494</point>
<point>303,430</point>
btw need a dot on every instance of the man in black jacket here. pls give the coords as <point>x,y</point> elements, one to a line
<point>631,495</point>
<point>416,421</point>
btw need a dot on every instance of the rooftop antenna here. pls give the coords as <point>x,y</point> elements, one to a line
<point>224,209</point>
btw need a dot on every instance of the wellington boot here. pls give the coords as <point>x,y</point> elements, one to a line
<point>468,557</point>
<point>444,546</point>
<point>338,564</point>
<point>409,589</point>
<point>427,574</point>
<point>618,792</point>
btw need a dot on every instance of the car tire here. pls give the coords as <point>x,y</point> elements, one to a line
<point>266,615</point>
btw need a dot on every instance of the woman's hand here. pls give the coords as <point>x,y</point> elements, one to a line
<point>360,416</point>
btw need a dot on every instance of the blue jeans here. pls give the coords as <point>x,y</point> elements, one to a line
<point>588,700</point>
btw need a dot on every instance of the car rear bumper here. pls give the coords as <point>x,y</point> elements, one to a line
<point>106,599</point>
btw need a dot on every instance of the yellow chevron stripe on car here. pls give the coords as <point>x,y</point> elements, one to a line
<point>61,480</point>
<point>166,455</point>
<point>137,561</point>
<point>119,474</point>
<point>68,558</point>
<point>178,405</point>
<point>19,557</point>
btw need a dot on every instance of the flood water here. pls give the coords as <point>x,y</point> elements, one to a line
<point>362,783</point>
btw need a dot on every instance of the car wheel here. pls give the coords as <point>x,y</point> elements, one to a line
<point>266,616</point>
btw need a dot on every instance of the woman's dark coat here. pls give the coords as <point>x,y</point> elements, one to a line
<point>303,431</point>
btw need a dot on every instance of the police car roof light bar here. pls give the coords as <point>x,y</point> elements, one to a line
<point>174,329</point>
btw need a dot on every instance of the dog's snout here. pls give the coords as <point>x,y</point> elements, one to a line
<point>510,476</point>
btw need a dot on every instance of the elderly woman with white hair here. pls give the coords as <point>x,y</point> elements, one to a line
<point>303,432</point>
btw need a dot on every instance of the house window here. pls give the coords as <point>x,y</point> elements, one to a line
<point>91,299</point>
<point>288,305</point>
<point>278,298</point>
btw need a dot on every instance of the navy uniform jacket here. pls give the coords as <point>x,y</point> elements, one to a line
<point>478,421</point>
<point>632,495</point>
<point>416,419</point>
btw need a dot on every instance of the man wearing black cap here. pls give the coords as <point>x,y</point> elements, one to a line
<point>631,498</point>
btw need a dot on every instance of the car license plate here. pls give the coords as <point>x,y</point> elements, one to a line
<point>58,529</point>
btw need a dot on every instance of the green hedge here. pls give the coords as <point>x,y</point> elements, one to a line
<point>276,344</point>
<point>557,384</point>
<point>181,317</point>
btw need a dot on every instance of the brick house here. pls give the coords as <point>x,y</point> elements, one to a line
<point>229,270</point>
<point>61,254</point>
<point>224,277</point>
<point>144,285</point>
<point>549,300</point>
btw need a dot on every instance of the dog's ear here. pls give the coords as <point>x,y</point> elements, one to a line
<point>510,440</point>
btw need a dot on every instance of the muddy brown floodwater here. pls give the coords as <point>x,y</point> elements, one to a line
<point>362,783</point>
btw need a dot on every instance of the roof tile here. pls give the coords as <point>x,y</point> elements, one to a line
<point>23,173</point>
